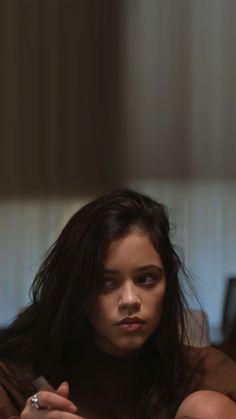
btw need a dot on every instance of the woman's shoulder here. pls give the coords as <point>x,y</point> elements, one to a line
<point>213,358</point>
<point>218,370</point>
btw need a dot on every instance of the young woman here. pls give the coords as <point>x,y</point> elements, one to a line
<point>106,326</point>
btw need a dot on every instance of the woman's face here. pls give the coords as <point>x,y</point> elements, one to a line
<point>129,306</point>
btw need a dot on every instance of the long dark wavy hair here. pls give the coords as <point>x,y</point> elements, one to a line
<point>68,283</point>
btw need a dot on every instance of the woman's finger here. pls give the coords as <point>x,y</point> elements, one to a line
<point>47,399</point>
<point>30,413</point>
<point>63,389</point>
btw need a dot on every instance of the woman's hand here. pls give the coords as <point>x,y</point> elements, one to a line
<point>53,405</point>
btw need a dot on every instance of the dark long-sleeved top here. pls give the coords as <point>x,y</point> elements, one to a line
<point>219,375</point>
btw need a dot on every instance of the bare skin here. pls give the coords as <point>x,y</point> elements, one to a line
<point>134,287</point>
<point>206,404</point>
<point>60,406</point>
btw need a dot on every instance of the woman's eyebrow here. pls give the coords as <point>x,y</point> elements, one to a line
<point>110,271</point>
<point>150,267</point>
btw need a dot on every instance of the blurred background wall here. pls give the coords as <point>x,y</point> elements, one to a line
<point>98,94</point>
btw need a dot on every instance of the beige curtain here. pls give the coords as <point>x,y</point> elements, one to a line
<point>94,93</point>
<point>179,62</point>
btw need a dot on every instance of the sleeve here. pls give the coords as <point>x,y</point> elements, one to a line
<point>7,409</point>
<point>219,372</point>
<point>12,396</point>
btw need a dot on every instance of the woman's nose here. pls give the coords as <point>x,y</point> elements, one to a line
<point>129,297</point>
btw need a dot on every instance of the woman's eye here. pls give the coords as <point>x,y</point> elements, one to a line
<point>147,279</point>
<point>108,283</point>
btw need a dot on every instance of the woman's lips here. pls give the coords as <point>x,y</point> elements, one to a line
<point>130,327</point>
<point>131,324</point>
